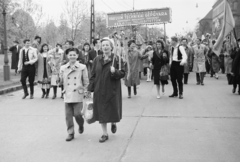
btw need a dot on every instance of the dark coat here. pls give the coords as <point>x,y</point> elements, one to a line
<point>158,61</point>
<point>236,67</point>
<point>15,56</point>
<point>107,99</point>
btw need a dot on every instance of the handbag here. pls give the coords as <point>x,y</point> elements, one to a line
<point>87,111</point>
<point>164,72</point>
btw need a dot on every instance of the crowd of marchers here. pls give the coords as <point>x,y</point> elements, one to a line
<point>99,69</point>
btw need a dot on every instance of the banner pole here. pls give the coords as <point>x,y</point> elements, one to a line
<point>235,35</point>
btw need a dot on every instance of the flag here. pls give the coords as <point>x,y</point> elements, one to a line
<point>228,25</point>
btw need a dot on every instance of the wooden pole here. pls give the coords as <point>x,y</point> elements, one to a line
<point>235,36</point>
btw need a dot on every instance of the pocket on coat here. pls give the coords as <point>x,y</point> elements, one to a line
<point>80,91</point>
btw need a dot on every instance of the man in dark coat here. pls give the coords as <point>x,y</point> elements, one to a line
<point>94,52</point>
<point>236,72</point>
<point>15,49</point>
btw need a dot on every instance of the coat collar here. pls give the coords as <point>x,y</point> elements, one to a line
<point>76,65</point>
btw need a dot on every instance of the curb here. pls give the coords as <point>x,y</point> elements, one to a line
<point>12,89</point>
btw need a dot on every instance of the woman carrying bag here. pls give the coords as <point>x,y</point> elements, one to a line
<point>105,83</point>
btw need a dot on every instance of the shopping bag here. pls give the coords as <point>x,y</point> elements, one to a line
<point>87,111</point>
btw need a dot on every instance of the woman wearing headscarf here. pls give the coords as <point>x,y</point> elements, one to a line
<point>133,62</point>
<point>55,64</point>
<point>105,83</point>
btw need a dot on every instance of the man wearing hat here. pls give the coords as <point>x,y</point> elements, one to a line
<point>15,49</point>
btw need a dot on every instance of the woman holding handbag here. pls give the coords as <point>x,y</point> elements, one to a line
<point>157,62</point>
<point>105,83</point>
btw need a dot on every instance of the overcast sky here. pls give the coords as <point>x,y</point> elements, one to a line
<point>183,11</point>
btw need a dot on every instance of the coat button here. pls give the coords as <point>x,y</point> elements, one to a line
<point>68,77</point>
<point>75,84</point>
<point>68,84</point>
<point>75,77</point>
<point>74,90</point>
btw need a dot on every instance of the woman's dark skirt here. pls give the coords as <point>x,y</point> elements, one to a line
<point>156,77</point>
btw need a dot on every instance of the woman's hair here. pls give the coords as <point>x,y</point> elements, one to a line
<point>111,43</point>
<point>213,42</point>
<point>86,44</point>
<point>131,42</point>
<point>72,49</point>
<point>41,50</point>
<point>95,41</point>
<point>161,42</point>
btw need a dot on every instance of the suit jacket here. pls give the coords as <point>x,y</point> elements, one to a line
<point>15,56</point>
<point>32,55</point>
<point>75,81</point>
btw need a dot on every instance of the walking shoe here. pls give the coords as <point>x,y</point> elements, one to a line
<point>70,137</point>
<point>54,96</point>
<point>25,95</point>
<point>43,95</point>
<point>81,129</point>
<point>158,96</point>
<point>198,83</point>
<point>46,96</point>
<point>103,138</point>
<point>31,96</point>
<point>234,90</point>
<point>202,84</point>
<point>173,95</point>
<point>180,96</point>
<point>114,128</point>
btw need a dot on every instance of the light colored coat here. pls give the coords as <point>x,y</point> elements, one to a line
<point>199,58</point>
<point>75,81</point>
<point>40,68</point>
<point>188,64</point>
<point>32,55</point>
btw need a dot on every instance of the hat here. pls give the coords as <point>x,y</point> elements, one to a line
<point>148,46</point>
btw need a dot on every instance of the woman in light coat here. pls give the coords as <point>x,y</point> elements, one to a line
<point>55,64</point>
<point>133,63</point>
<point>74,77</point>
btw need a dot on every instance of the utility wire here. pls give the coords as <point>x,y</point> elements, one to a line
<point>108,6</point>
<point>121,4</point>
<point>126,4</point>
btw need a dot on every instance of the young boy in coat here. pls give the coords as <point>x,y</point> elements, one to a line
<point>74,77</point>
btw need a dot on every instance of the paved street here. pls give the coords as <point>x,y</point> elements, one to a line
<point>203,127</point>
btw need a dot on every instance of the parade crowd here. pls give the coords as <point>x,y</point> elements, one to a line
<point>99,69</point>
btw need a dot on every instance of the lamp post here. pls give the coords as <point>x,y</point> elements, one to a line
<point>6,68</point>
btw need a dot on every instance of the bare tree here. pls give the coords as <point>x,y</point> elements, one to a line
<point>34,9</point>
<point>76,12</point>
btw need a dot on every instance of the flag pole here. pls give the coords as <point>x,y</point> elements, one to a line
<point>235,36</point>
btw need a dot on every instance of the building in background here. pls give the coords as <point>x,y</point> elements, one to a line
<point>218,13</point>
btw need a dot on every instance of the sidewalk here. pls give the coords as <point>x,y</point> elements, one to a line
<point>14,83</point>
